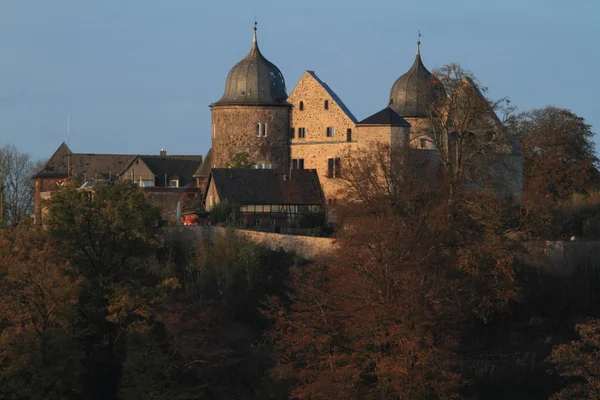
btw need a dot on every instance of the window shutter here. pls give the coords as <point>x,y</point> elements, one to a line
<point>330,168</point>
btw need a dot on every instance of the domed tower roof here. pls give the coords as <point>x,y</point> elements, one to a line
<point>254,81</point>
<point>414,90</point>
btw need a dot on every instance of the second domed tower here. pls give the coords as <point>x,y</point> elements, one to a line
<point>415,91</point>
<point>412,96</point>
<point>252,119</point>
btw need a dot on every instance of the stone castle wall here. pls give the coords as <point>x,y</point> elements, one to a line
<point>234,132</point>
<point>372,135</point>
<point>308,247</point>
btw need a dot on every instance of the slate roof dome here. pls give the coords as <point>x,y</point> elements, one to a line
<point>414,90</point>
<point>254,81</point>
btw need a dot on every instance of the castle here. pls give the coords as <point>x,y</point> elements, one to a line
<point>311,128</point>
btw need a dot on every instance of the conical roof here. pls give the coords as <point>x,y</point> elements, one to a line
<point>414,91</point>
<point>254,81</point>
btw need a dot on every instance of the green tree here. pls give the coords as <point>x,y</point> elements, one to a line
<point>239,160</point>
<point>206,340</point>
<point>110,237</point>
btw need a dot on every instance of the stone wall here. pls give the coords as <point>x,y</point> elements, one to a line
<point>370,135</point>
<point>42,185</point>
<point>308,247</point>
<point>234,132</point>
<point>315,156</point>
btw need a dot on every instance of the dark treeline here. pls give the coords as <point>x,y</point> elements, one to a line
<point>430,293</point>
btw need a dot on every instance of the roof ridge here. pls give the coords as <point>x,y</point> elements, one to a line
<point>334,96</point>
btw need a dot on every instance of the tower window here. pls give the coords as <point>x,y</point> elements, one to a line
<point>349,135</point>
<point>326,105</point>
<point>330,131</point>
<point>261,129</point>
<point>298,163</point>
<point>301,106</point>
<point>301,133</point>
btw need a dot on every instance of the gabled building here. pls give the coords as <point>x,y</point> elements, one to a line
<point>266,199</point>
<point>166,178</point>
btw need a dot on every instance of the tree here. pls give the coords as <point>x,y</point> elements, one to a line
<point>16,184</point>
<point>205,341</point>
<point>39,292</point>
<point>579,362</point>
<point>466,130</point>
<point>560,170</point>
<point>110,237</point>
<point>386,315</point>
<point>558,154</point>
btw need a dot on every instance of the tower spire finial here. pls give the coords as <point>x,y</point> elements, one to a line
<point>254,40</point>
<point>419,43</point>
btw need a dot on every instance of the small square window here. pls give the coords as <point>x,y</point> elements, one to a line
<point>174,183</point>
<point>330,131</point>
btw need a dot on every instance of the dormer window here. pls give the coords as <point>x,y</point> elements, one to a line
<point>301,106</point>
<point>174,183</point>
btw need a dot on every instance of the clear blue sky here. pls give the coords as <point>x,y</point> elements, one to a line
<point>137,76</point>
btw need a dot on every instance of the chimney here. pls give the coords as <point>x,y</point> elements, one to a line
<point>163,153</point>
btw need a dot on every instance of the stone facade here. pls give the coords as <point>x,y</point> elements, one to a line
<point>370,135</point>
<point>234,132</point>
<point>315,110</point>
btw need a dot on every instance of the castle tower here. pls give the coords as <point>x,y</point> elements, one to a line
<point>412,96</point>
<point>251,122</point>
